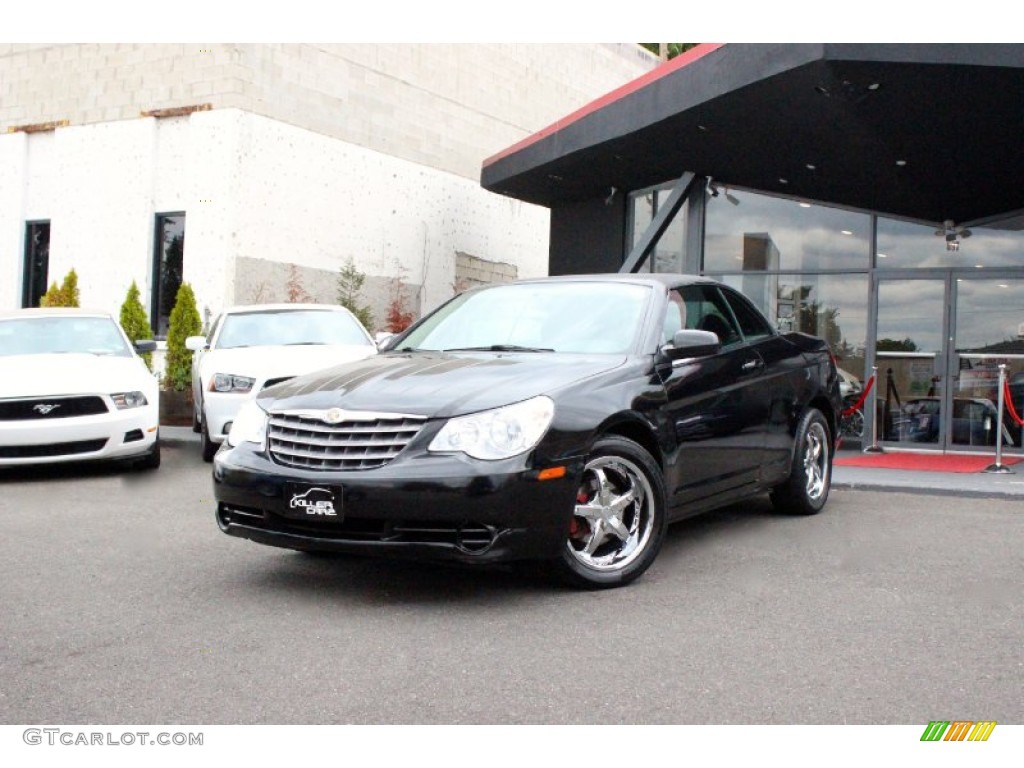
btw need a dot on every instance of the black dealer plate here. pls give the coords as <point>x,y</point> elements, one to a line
<point>310,501</point>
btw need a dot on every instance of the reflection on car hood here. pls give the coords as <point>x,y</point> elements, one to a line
<point>437,384</point>
<point>72,373</point>
<point>271,362</point>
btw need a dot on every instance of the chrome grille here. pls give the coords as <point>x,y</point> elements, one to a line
<point>359,441</point>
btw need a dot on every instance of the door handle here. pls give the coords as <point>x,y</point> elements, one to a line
<point>751,365</point>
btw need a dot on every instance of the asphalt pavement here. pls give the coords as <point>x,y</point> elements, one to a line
<point>977,484</point>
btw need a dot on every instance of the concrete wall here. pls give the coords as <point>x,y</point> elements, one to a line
<point>441,105</point>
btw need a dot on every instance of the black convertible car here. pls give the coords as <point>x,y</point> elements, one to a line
<point>565,419</point>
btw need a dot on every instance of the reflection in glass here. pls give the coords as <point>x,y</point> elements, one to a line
<point>833,307</point>
<point>989,324</point>
<point>909,336</point>
<point>169,269</point>
<point>667,255</point>
<point>902,245</point>
<point>752,232</point>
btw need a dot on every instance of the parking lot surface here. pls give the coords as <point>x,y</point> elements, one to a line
<point>123,603</point>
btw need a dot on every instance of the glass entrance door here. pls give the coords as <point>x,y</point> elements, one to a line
<point>988,333</point>
<point>910,342</point>
<point>939,342</point>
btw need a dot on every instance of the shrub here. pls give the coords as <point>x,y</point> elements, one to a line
<point>135,322</point>
<point>399,317</point>
<point>350,286</point>
<point>296,291</point>
<point>184,322</point>
<point>65,296</point>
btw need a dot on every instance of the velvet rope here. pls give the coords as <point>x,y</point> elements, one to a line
<point>863,396</point>
<point>1009,404</point>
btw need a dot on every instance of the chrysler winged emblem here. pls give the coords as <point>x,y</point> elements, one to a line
<point>45,408</point>
<point>334,415</point>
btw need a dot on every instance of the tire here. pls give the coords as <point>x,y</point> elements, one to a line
<point>152,459</point>
<point>197,423</point>
<point>604,549</point>
<point>806,490</point>
<point>209,447</point>
<point>855,424</point>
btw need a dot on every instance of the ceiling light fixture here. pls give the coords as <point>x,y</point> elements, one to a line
<point>953,234</point>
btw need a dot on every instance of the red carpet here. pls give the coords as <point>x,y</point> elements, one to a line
<point>923,462</point>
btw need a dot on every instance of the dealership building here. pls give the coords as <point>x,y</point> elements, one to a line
<point>869,194</point>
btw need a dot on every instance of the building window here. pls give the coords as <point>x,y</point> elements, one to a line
<point>168,264</point>
<point>37,262</point>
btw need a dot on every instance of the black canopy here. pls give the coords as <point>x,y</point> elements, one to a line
<point>925,132</point>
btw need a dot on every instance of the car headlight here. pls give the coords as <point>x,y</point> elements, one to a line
<point>249,426</point>
<point>226,382</point>
<point>129,400</point>
<point>496,434</point>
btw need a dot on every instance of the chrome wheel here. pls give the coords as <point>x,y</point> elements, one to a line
<point>805,490</point>
<point>816,463</point>
<point>614,517</point>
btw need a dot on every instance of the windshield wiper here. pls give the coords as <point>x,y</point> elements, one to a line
<point>498,348</point>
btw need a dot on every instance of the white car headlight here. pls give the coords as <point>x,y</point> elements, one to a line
<point>129,400</point>
<point>499,433</point>
<point>226,382</point>
<point>249,426</point>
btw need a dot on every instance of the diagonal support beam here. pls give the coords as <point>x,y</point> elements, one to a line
<point>666,212</point>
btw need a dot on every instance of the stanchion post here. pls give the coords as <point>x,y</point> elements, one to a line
<point>874,447</point>
<point>999,467</point>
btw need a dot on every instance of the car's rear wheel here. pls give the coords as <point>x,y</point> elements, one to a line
<point>806,489</point>
<point>619,521</point>
<point>208,446</point>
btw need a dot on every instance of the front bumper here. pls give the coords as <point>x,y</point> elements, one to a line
<point>424,506</point>
<point>114,435</point>
<point>220,409</point>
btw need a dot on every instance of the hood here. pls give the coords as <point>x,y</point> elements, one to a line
<point>277,361</point>
<point>437,384</point>
<point>73,373</point>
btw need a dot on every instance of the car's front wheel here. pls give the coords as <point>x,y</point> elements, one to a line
<point>806,489</point>
<point>152,459</point>
<point>619,518</point>
<point>208,446</point>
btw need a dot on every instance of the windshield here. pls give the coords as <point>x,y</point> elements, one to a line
<point>290,326</point>
<point>49,335</point>
<point>537,317</point>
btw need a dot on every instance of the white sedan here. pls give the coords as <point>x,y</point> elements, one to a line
<point>256,346</point>
<point>73,388</point>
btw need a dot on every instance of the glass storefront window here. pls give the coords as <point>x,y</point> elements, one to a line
<point>752,233</point>
<point>902,245</point>
<point>668,252</point>
<point>834,307</point>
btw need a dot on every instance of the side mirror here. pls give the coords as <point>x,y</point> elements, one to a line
<point>145,345</point>
<point>692,344</point>
<point>195,343</point>
<point>383,340</point>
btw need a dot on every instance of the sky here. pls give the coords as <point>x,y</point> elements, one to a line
<point>523,21</point>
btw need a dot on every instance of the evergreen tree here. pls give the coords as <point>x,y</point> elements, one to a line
<point>135,322</point>
<point>184,322</point>
<point>350,286</point>
<point>65,296</point>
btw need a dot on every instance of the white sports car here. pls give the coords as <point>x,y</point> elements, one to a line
<point>254,347</point>
<point>73,388</point>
